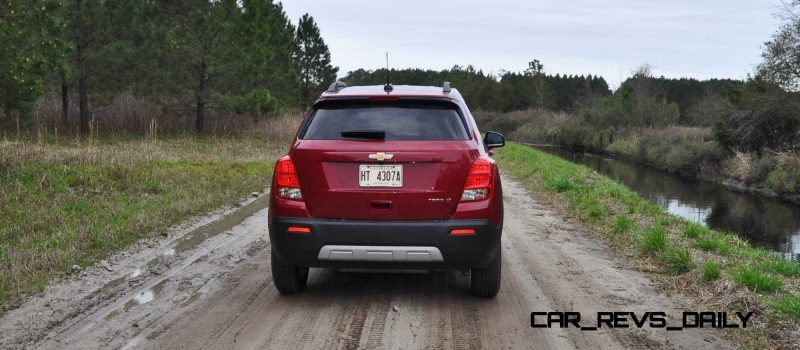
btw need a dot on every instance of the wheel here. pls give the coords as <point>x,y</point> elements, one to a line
<point>486,281</point>
<point>288,279</point>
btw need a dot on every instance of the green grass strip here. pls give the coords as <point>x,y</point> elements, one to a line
<point>631,221</point>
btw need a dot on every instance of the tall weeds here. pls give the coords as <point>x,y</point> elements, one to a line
<point>131,114</point>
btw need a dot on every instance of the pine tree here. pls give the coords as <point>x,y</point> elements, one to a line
<point>265,55</point>
<point>111,43</point>
<point>200,46</point>
<point>313,57</point>
<point>536,71</point>
<point>31,50</point>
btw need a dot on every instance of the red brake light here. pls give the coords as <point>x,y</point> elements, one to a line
<point>479,180</point>
<point>286,179</point>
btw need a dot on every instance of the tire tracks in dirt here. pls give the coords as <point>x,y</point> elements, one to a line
<point>217,293</point>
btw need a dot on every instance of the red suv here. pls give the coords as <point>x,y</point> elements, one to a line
<point>388,176</point>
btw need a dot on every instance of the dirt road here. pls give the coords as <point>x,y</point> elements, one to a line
<point>208,285</point>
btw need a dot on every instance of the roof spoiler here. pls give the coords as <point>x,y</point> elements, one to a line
<point>446,87</point>
<point>336,86</point>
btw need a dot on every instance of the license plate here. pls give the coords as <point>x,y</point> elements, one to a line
<point>380,175</point>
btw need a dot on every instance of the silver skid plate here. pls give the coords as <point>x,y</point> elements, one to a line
<point>380,253</point>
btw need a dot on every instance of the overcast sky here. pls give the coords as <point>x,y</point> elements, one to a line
<point>683,38</point>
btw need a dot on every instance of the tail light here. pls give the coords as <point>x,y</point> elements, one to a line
<point>479,180</point>
<point>286,179</point>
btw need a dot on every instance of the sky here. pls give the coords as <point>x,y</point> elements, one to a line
<point>700,39</point>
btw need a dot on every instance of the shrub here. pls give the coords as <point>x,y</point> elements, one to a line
<point>503,122</point>
<point>738,166</point>
<point>529,132</point>
<point>530,125</point>
<point>790,160</point>
<point>711,270</point>
<point>783,180</point>
<point>628,147</point>
<point>760,169</point>
<point>542,127</point>
<point>678,260</point>
<point>654,150</point>
<point>653,240</point>
<point>756,280</point>
<point>573,135</point>
<point>708,109</point>
<point>682,156</point>
<point>767,117</point>
<point>671,148</point>
<point>685,149</point>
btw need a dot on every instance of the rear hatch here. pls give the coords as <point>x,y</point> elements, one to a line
<point>389,160</point>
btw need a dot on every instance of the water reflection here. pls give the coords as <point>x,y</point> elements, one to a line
<point>144,297</point>
<point>767,222</point>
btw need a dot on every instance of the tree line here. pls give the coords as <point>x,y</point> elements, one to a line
<point>533,88</point>
<point>195,57</point>
<point>190,56</point>
<point>505,91</point>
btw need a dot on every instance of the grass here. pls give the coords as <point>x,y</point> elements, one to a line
<point>622,224</point>
<point>788,305</point>
<point>677,260</point>
<point>714,242</point>
<point>712,270</point>
<point>68,202</point>
<point>653,240</point>
<point>756,280</point>
<point>694,230</point>
<point>781,267</point>
<point>633,224</point>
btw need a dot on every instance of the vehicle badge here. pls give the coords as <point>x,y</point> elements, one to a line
<point>380,156</point>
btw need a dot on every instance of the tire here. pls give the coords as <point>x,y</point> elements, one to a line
<point>485,282</point>
<point>288,279</point>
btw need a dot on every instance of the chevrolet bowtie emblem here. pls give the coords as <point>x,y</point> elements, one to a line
<point>380,156</point>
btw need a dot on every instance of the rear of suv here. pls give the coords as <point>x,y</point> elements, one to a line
<point>388,176</point>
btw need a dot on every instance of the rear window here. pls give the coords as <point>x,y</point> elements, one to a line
<point>399,122</point>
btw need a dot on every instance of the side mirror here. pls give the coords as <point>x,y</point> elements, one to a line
<point>494,140</point>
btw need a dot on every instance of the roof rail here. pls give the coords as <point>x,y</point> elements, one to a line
<point>335,86</point>
<point>446,87</point>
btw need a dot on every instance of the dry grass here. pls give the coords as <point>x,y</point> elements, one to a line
<point>126,149</point>
<point>790,160</point>
<point>131,114</point>
<point>740,165</point>
<point>530,125</point>
<point>65,201</point>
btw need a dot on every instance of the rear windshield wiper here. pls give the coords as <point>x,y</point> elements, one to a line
<point>365,134</point>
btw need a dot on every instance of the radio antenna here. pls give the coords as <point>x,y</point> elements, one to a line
<point>388,87</point>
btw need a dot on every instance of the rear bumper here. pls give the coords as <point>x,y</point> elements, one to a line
<point>390,244</point>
